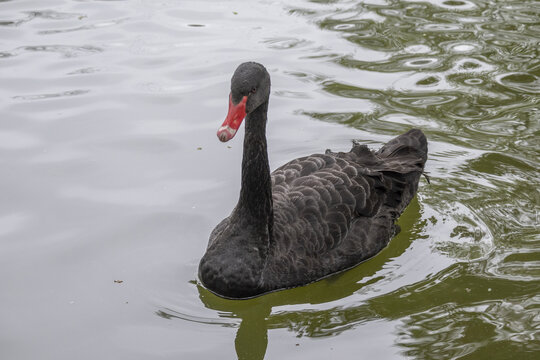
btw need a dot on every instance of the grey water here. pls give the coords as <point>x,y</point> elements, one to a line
<point>112,177</point>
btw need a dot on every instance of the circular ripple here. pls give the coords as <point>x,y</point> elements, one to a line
<point>458,5</point>
<point>524,82</point>
<point>422,102</point>
<point>454,3</point>
<point>440,27</point>
<point>343,26</point>
<point>421,62</point>
<point>461,47</point>
<point>473,81</point>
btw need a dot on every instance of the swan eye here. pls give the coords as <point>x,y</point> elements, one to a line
<point>253,91</point>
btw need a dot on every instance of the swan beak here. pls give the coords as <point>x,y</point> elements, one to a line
<point>235,116</point>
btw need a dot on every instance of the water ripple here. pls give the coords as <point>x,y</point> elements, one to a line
<point>67,51</point>
<point>94,26</point>
<point>112,171</point>
<point>51,95</point>
<point>523,82</point>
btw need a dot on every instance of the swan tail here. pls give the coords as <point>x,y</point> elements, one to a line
<point>402,161</point>
<point>409,148</point>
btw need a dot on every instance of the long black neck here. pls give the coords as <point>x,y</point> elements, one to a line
<point>256,193</point>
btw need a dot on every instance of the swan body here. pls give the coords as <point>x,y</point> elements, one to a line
<point>310,218</point>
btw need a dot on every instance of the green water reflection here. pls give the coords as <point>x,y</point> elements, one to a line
<point>468,74</point>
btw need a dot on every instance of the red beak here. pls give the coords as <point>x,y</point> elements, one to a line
<point>234,118</point>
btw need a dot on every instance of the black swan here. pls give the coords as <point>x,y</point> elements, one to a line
<point>313,216</point>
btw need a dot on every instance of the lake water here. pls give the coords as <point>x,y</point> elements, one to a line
<point>112,176</point>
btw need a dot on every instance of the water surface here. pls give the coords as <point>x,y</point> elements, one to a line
<point>113,177</point>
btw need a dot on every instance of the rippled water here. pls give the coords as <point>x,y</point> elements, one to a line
<point>112,175</point>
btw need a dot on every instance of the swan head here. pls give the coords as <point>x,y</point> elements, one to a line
<point>250,88</point>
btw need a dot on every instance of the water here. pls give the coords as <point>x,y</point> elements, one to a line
<point>112,175</point>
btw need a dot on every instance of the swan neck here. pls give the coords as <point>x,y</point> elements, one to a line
<point>256,192</point>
